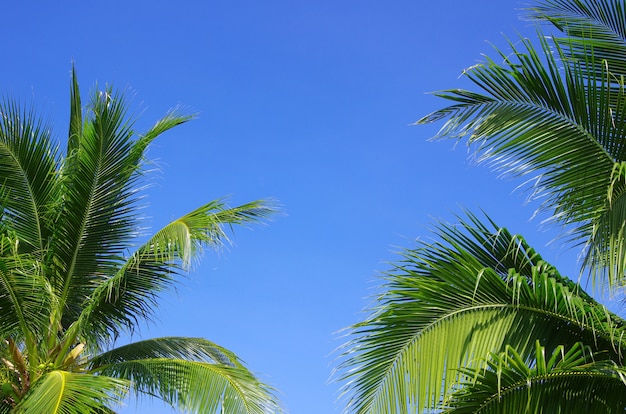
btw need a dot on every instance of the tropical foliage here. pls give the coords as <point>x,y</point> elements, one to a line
<point>76,273</point>
<point>477,321</point>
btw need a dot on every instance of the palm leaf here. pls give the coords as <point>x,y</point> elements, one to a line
<point>101,174</point>
<point>28,165</point>
<point>567,381</point>
<point>596,28</point>
<point>454,301</point>
<point>132,293</point>
<point>25,296</point>
<point>560,123</point>
<point>190,374</point>
<point>61,392</point>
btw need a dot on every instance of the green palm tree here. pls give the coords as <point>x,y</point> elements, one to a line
<point>72,278</point>
<point>477,321</point>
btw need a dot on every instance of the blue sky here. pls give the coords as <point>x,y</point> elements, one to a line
<point>307,102</point>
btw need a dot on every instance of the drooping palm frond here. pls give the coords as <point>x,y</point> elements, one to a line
<point>190,374</point>
<point>453,301</point>
<point>570,380</point>
<point>562,123</point>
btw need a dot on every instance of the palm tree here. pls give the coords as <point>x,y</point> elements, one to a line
<point>477,321</point>
<point>72,280</point>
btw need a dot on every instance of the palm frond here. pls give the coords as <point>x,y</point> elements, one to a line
<point>60,392</point>
<point>25,293</point>
<point>193,349</point>
<point>99,217</point>
<point>591,28</point>
<point>28,165</point>
<point>184,238</point>
<point>132,293</point>
<point>453,301</point>
<point>570,380</point>
<point>560,123</point>
<point>190,374</point>
<point>76,116</point>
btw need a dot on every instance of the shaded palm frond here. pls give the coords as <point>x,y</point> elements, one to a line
<point>25,293</point>
<point>192,349</point>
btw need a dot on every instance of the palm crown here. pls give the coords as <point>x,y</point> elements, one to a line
<point>477,321</point>
<point>72,280</point>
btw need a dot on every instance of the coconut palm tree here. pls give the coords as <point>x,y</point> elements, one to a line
<point>75,274</point>
<point>477,321</point>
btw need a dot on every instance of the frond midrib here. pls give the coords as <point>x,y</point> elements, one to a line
<point>431,326</point>
<point>81,233</point>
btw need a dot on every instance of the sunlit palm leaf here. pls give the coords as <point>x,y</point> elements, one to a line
<point>98,218</point>
<point>68,287</point>
<point>61,392</point>
<point>570,380</point>
<point>561,123</point>
<point>596,28</point>
<point>190,374</point>
<point>450,303</point>
<point>132,293</point>
<point>194,349</point>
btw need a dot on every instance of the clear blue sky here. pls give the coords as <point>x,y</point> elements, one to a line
<point>308,102</point>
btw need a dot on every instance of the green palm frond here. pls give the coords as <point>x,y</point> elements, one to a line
<point>24,292</point>
<point>592,28</point>
<point>98,217</point>
<point>572,380</point>
<point>190,374</point>
<point>561,124</point>
<point>76,116</point>
<point>28,164</point>
<point>193,349</point>
<point>132,293</point>
<point>70,283</point>
<point>173,118</point>
<point>453,301</point>
<point>60,392</point>
<point>104,160</point>
<point>184,238</point>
